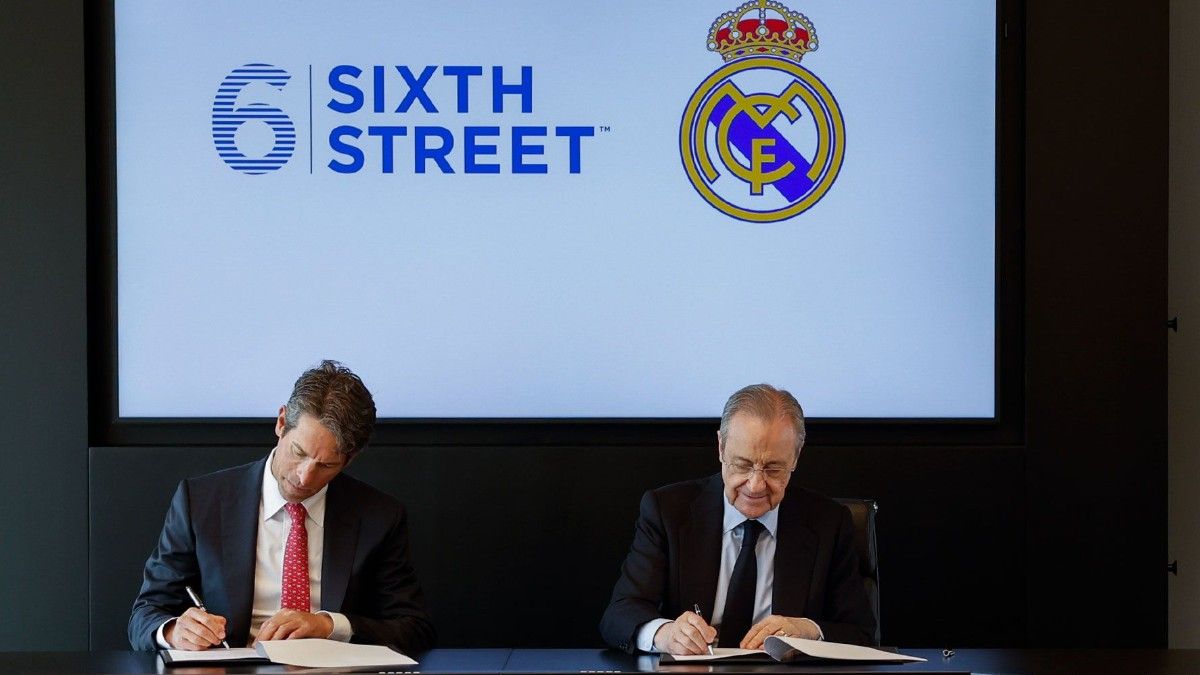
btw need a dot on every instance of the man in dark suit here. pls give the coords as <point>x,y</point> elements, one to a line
<point>288,546</point>
<point>757,557</point>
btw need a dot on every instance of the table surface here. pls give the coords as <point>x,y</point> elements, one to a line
<point>1034,661</point>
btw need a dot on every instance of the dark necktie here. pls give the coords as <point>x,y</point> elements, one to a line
<point>739,599</point>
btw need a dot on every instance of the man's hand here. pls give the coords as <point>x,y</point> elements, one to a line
<point>292,624</point>
<point>195,630</point>
<point>787,626</point>
<point>689,634</point>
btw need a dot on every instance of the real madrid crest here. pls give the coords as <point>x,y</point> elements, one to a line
<point>762,138</point>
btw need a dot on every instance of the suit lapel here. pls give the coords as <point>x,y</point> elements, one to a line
<point>239,537</point>
<point>795,557</point>
<point>700,549</point>
<point>341,540</point>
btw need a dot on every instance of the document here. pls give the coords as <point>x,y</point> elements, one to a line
<point>799,649</point>
<point>719,654</point>
<point>180,656</point>
<point>794,649</point>
<point>312,653</point>
<point>318,653</point>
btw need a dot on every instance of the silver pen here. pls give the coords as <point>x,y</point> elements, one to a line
<point>696,609</point>
<point>200,603</point>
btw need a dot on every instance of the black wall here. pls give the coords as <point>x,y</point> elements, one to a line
<point>1056,541</point>
<point>43,328</point>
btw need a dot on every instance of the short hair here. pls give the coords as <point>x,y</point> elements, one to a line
<point>766,403</point>
<point>340,402</point>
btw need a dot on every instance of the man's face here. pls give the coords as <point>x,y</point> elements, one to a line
<point>753,443</point>
<point>306,458</point>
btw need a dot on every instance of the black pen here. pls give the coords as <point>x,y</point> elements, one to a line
<point>200,603</point>
<point>696,608</point>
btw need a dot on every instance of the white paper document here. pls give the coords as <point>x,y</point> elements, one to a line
<point>211,655</point>
<point>785,648</point>
<point>718,654</point>
<point>317,653</point>
<point>794,649</point>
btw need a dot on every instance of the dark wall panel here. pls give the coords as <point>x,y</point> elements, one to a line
<point>43,331</point>
<point>1096,244</point>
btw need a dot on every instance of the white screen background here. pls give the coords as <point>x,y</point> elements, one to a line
<point>614,292</point>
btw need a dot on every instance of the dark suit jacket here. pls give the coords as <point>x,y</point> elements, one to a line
<point>208,542</point>
<point>676,557</point>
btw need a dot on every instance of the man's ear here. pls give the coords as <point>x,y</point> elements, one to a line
<point>720,447</point>
<point>281,421</point>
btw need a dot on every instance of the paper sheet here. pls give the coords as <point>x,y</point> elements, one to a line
<point>779,646</point>
<point>236,654</point>
<point>316,653</point>
<point>718,654</point>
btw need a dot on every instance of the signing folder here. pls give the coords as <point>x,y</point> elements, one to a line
<point>308,652</point>
<point>788,649</point>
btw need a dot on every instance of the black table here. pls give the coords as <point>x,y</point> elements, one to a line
<point>1033,661</point>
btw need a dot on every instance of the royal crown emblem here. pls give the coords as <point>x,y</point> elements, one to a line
<point>762,28</point>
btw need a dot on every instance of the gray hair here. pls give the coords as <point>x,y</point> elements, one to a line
<point>766,403</point>
<point>340,402</point>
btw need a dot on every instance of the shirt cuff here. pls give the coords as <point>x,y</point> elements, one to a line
<point>158,635</point>
<point>342,632</point>
<point>820,633</point>
<point>645,634</point>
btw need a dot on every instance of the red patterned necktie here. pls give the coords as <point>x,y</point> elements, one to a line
<point>295,562</point>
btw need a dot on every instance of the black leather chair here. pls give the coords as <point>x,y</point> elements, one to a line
<point>863,511</point>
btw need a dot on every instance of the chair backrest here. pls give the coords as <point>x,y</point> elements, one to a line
<point>863,511</point>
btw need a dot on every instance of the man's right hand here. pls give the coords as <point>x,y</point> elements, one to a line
<point>194,630</point>
<point>689,634</point>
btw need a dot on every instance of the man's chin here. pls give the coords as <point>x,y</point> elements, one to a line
<point>752,508</point>
<point>292,494</point>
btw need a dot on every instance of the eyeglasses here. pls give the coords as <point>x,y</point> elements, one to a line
<point>743,469</point>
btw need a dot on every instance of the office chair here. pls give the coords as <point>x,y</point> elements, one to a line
<point>863,511</point>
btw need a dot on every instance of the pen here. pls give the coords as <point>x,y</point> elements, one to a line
<point>696,608</point>
<point>200,603</point>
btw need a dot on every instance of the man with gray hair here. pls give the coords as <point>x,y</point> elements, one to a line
<point>288,546</point>
<point>741,549</point>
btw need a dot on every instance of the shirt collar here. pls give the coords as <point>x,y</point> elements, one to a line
<point>733,518</point>
<point>273,502</point>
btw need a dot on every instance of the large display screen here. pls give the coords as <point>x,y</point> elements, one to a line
<point>534,209</point>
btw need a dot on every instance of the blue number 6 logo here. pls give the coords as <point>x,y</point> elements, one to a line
<point>226,118</point>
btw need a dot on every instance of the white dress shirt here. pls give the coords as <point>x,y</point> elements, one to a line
<point>731,545</point>
<point>274,525</point>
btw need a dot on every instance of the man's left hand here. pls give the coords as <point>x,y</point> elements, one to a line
<point>787,626</point>
<point>291,624</point>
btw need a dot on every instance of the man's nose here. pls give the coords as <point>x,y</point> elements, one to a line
<point>305,472</point>
<point>757,480</point>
